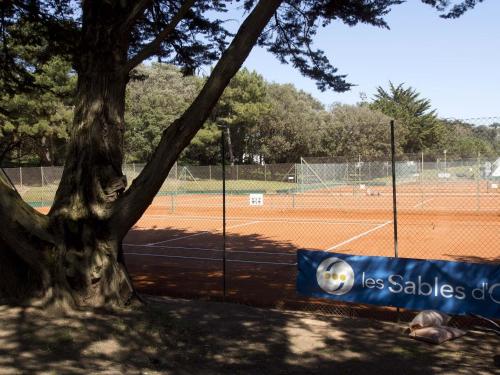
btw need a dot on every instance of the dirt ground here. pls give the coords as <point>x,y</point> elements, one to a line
<point>173,336</point>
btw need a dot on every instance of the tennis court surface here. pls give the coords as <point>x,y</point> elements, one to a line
<point>177,246</point>
<point>445,210</point>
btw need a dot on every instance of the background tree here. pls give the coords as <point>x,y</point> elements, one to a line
<point>466,141</point>
<point>36,95</point>
<point>73,255</point>
<point>357,131</point>
<point>290,129</point>
<point>490,135</point>
<point>241,108</point>
<point>420,128</point>
<point>156,95</point>
<point>40,119</point>
<point>205,148</point>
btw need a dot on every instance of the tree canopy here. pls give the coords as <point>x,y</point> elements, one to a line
<point>73,256</point>
<point>420,125</point>
<point>155,96</point>
<point>268,122</point>
<point>37,121</point>
<point>187,33</point>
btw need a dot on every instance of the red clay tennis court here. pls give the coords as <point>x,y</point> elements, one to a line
<point>177,246</point>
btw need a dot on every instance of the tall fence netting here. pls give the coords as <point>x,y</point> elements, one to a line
<point>448,208</point>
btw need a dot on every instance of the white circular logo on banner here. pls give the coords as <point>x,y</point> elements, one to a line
<point>335,276</point>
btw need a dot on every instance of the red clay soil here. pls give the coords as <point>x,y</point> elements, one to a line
<point>178,252</point>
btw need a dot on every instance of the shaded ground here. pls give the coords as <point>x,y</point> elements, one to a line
<point>260,270</point>
<point>194,337</point>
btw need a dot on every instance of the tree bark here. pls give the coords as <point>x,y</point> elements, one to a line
<point>23,234</point>
<point>74,254</point>
<point>90,266</point>
<point>92,180</point>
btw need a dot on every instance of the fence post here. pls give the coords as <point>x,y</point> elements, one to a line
<point>301,186</point>
<point>21,177</point>
<point>478,179</point>
<point>210,173</point>
<point>296,181</point>
<point>422,179</point>
<point>394,192</point>
<point>223,154</point>
<point>265,172</point>
<point>438,170</point>
<point>394,200</point>
<point>354,180</point>
<point>347,174</point>
<point>41,175</point>
<point>176,179</point>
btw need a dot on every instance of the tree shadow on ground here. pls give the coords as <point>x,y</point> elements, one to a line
<point>187,337</point>
<point>475,259</point>
<point>259,271</point>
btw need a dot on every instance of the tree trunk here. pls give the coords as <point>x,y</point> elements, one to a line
<point>89,265</point>
<point>19,279</point>
<point>73,256</point>
<point>84,260</point>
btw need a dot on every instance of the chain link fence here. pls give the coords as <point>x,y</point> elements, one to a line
<point>448,208</point>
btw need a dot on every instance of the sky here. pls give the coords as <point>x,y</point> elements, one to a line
<point>454,63</point>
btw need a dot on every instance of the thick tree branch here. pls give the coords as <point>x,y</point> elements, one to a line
<point>129,208</point>
<point>136,11</point>
<point>23,228</point>
<point>153,47</point>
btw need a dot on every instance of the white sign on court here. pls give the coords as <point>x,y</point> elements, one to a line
<point>256,199</point>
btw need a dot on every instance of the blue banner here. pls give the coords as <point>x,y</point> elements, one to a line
<point>451,287</point>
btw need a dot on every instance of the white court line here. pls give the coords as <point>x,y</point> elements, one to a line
<point>359,235</point>
<point>182,201</point>
<point>179,238</point>
<point>423,202</point>
<point>204,232</point>
<point>213,259</point>
<point>262,220</point>
<point>259,262</point>
<point>261,252</point>
<point>171,247</point>
<point>173,256</point>
<point>206,249</point>
<point>242,225</point>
